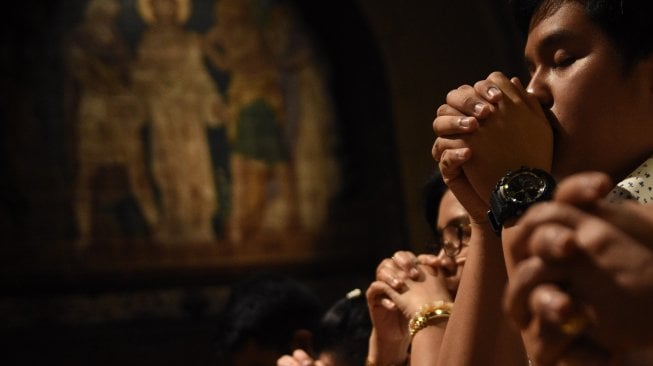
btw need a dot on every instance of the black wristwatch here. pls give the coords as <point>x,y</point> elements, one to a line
<point>516,192</point>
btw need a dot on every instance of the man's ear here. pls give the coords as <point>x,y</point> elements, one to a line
<point>302,339</point>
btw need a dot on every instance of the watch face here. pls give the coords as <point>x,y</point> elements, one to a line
<point>524,187</point>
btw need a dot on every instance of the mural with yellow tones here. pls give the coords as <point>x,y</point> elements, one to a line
<point>222,134</point>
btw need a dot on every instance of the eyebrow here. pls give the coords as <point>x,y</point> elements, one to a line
<point>550,40</point>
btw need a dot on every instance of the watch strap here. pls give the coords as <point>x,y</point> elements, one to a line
<point>495,225</point>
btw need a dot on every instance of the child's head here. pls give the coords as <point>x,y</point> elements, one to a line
<point>343,335</point>
<point>265,317</point>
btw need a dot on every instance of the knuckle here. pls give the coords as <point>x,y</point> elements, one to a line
<point>454,94</point>
<point>441,126</point>
<point>434,153</point>
<point>596,242</point>
<point>445,164</point>
<point>451,95</point>
<point>442,110</point>
<point>495,75</point>
<point>480,85</point>
<point>384,263</point>
<point>378,271</point>
<point>594,236</point>
<point>437,149</point>
<point>469,100</point>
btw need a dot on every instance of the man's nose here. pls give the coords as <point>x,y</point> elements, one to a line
<point>538,87</point>
<point>448,263</point>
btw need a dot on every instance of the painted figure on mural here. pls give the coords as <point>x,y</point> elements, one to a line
<point>310,115</point>
<point>108,115</point>
<point>182,102</point>
<point>263,187</point>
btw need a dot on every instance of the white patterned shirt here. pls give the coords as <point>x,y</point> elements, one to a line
<point>637,186</point>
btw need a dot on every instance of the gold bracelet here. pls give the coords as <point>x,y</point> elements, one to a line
<point>428,312</point>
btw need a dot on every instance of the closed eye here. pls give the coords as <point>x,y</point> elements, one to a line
<point>562,59</point>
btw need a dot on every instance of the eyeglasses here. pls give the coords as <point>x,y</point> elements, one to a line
<point>454,237</point>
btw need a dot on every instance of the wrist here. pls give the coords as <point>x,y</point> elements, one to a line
<point>387,352</point>
<point>430,314</point>
<point>484,233</point>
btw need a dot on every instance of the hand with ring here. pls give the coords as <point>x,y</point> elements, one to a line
<point>583,277</point>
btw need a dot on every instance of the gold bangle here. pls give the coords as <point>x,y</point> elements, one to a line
<point>428,312</point>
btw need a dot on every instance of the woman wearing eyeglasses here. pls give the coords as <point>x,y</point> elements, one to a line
<point>412,297</point>
<point>452,233</point>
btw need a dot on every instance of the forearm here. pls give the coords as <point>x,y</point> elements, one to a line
<point>386,352</point>
<point>478,332</point>
<point>426,343</point>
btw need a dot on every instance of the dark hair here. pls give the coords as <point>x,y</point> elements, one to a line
<point>266,309</point>
<point>626,22</point>
<point>345,330</point>
<point>432,193</point>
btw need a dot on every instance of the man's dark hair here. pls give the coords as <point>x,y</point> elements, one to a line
<point>626,22</point>
<point>266,309</point>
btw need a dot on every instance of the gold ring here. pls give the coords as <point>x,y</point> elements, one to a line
<point>575,325</point>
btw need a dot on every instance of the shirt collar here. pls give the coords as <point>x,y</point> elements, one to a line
<point>637,186</point>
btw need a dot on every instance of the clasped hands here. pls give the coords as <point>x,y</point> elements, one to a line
<point>582,286</point>
<point>404,283</point>
<point>483,132</point>
<point>583,268</point>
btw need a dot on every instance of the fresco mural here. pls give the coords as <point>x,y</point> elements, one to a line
<point>191,139</point>
<point>217,127</point>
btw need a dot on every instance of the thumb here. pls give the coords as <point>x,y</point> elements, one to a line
<point>430,260</point>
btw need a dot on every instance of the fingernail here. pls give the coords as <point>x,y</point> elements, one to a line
<point>414,272</point>
<point>478,108</point>
<point>492,91</point>
<point>464,122</point>
<point>307,362</point>
<point>388,303</point>
<point>395,282</point>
